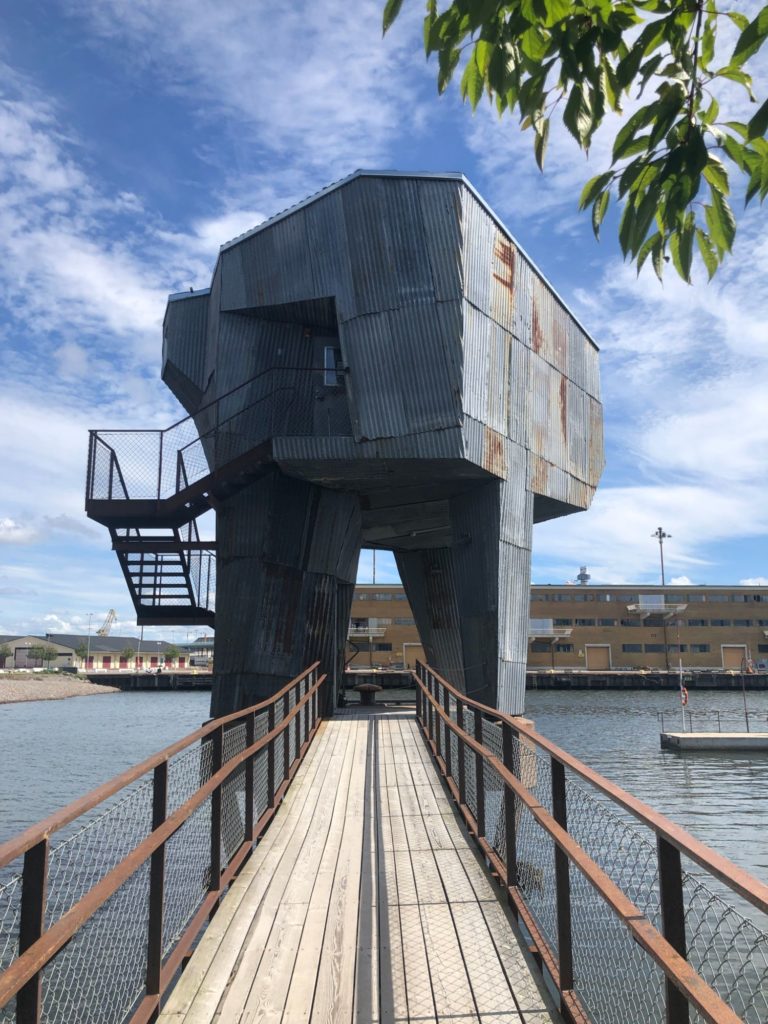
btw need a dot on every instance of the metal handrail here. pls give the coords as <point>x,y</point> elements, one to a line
<point>684,984</point>
<point>39,945</point>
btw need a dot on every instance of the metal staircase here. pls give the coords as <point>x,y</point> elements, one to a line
<point>150,486</point>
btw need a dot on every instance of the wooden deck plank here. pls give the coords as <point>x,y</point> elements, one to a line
<point>295,875</point>
<point>366,1008</point>
<point>334,991</point>
<point>364,903</point>
<point>249,933</point>
<point>250,885</point>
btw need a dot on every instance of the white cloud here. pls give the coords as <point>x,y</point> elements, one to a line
<point>313,83</point>
<point>754,581</point>
<point>12,532</point>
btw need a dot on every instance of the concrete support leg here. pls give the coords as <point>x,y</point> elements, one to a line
<point>471,601</point>
<point>287,561</point>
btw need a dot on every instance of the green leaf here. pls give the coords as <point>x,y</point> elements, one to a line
<point>447,61</point>
<point>681,248</point>
<point>391,11</point>
<point>657,253</point>
<point>593,188</point>
<point>626,227</point>
<point>758,124</point>
<point>716,174</point>
<point>735,75</point>
<point>707,250</point>
<point>577,116</point>
<point>599,210</point>
<point>484,50</point>
<point>720,221</point>
<point>472,83</point>
<point>739,20</point>
<point>752,38</point>
<point>646,250</point>
<point>540,142</point>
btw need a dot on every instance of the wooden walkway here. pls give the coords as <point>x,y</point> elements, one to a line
<point>363,903</point>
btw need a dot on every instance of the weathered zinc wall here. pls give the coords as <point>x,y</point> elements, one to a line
<point>467,409</point>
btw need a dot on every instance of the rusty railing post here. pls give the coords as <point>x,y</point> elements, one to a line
<point>461,751</point>
<point>297,721</point>
<point>562,881</point>
<point>438,721</point>
<point>34,888</point>
<point>447,753</point>
<point>157,882</point>
<point>510,808</point>
<point>271,787</point>
<point>217,754</point>
<point>250,739</point>
<point>479,777</point>
<point>286,736</point>
<point>672,922</point>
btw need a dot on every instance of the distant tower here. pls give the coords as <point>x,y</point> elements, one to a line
<point>583,576</point>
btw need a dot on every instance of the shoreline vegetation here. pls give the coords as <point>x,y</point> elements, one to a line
<point>17,687</point>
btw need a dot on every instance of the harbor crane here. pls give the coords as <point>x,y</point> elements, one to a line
<point>105,627</point>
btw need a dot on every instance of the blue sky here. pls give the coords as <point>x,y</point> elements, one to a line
<point>135,138</point>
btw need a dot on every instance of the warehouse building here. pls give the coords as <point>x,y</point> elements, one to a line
<point>596,628</point>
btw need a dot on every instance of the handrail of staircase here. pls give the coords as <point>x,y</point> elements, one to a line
<point>162,435</point>
<point>522,798</point>
<point>190,814</point>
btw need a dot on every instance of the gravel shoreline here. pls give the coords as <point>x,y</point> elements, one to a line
<point>27,686</point>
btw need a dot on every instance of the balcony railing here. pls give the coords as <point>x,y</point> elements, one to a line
<point>158,464</point>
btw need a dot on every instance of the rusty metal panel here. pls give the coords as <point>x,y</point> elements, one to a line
<point>479,233</point>
<point>518,403</point>
<point>441,208</point>
<point>516,508</point>
<point>522,313</point>
<point>578,426</point>
<point>376,405</point>
<point>504,277</point>
<point>427,379</point>
<point>476,360</point>
<point>500,344</point>
<point>596,456</point>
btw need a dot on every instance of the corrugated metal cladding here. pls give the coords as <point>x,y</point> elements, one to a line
<point>184,332</point>
<point>442,209</point>
<point>428,579</point>
<point>465,380</point>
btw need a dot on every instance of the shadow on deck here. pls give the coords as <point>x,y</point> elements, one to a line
<point>364,902</point>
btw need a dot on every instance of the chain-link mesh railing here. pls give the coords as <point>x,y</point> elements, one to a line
<point>102,970</point>
<point>614,979</point>
<point>157,464</point>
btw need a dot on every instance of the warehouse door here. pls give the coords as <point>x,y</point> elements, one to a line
<point>733,654</point>
<point>598,657</point>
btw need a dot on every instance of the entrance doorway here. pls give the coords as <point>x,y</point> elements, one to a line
<point>598,657</point>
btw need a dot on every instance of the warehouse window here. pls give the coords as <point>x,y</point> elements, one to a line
<point>700,648</point>
<point>606,622</point>
<point>585,622</point>
<point>382,647</point>
<point>562,622</point>
<point>720,622</point>
<point>742,622</point>
<point>564,648</point>
<point>632,648</point>
<point>762,648</point>
<point>539,647</point>
<point>654,648</point>
<point>697,622</point>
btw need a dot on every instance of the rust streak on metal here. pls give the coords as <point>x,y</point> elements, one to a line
<point>537,337</point>
<point>506,254</point>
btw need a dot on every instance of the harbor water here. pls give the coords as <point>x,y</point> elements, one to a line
<point>54,751</point>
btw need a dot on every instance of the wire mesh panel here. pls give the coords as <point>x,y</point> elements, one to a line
<point>100,975</point>
<point>101,972</point>
<point>615,980</point>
